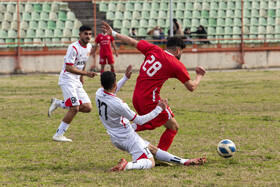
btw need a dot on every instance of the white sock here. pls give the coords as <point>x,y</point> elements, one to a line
<point>62,128</point>
<point>167,157</point>
<point>140,164</point>
<point>61,104</point>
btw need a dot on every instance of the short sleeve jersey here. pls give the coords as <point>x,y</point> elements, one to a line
<point>77,55</point>
<point>104,42</point>
<point>114,114</point>
<point>159,65</point>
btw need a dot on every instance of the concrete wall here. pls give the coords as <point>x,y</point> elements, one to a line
<point>213,60</point>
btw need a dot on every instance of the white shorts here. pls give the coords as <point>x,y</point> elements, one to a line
<point>135,145</point>
<point>74,95</point>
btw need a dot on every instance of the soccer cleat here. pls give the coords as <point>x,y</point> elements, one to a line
<point>121,165</point>
<point>53,106</point>
<point>196,161</point>
<point>61,138</point>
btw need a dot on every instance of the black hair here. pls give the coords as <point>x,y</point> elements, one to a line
<point>175,42</point>
<point>108,79</point>
<point>85,28</point>
<point>203,29</point>
<point>176,23</point>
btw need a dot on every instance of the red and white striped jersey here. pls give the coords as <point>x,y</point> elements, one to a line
<point>77,55</point>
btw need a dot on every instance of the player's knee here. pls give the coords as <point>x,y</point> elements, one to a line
<point>153,162</point>
<point>153,149</point>
<point>176,127</point>
<point>88,108</point>
<point>74,109</point>
<point>172,124</point>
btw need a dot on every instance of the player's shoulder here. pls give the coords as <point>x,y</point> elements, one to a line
<point>73,44</point>
<point>89,45</point>
<point>112,99</point>
<point>170,57</point>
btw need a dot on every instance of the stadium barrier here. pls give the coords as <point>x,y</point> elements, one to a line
<point>62,23</point>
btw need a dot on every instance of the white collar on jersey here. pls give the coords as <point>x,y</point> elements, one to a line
<point>108,93</point>
<point>168,52</point>
<point>104,34</point>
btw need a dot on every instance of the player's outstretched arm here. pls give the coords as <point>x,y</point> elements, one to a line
<point>126,39</point>
<point>192,85</point>
<point>76,71</point>
<point>127,76</point>
<point>140,120</point>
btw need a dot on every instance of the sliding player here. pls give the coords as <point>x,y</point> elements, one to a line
<point>115,115</point>
<point>159,65</point>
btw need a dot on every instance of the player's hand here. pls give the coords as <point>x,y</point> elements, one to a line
<point>162,104</point>
<point>91,74</point>
<point>165,101</point>
<point>117,54</point>
<point>200,70</point>
<point>128,71</point>
<point>106,27</point>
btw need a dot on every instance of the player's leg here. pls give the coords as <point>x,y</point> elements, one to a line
<point>85,108</point>
<point>143,106</point>
<point>102,68</point>
<point>102,62</point>
<point>167,157</point>
<point>167,137</point>
<point>84,100</point>
<point>165,118</point>
<point>55,103</point>
<point>112,67</point>
<point>71,100</point>
<point>67,119</point>
<point>139,164</point>
<point>137,147</point>
<point>111,62</point>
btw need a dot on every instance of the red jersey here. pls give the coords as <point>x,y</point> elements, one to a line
<point>104,42</point>
<point>159,65</point>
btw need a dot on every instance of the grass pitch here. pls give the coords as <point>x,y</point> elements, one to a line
<point>241,106</point>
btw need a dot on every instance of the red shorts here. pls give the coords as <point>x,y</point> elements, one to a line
<point>160,120</point>
<point>104,59</point>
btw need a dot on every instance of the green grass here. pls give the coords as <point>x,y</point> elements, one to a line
<point>241,106</point>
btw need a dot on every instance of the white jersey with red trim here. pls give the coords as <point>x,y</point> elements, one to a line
<point>77,55</point>
<point>115,114</point>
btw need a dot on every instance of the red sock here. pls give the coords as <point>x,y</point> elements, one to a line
<point>101,71</point>
<point>166,139</point>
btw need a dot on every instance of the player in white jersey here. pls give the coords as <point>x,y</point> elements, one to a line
<point>71,82</point>
<point>115,115</point>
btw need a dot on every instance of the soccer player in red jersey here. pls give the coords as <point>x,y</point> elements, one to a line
<point>159,65</point>
<point>105,52</point>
